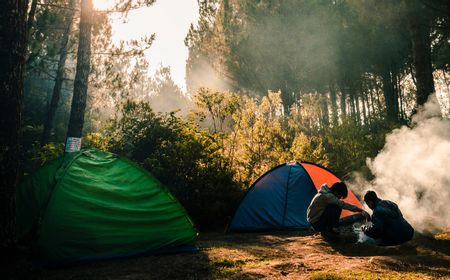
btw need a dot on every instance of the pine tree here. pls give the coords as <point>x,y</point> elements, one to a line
<point>13,37</point>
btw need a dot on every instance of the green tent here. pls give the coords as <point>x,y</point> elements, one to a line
<point>95,205</point>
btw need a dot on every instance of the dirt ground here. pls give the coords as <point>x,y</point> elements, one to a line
<point>273,255</point>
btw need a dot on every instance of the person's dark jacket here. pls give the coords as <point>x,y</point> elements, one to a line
<point>388,224</point>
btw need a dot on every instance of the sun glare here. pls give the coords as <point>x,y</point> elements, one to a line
<point>103,5</point>
<point>169,20</point>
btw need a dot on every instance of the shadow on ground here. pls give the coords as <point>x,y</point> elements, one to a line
<point>176,266</point>
<point>286,255</point>
<point>421,254</point>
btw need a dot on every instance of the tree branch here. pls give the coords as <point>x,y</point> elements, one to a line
<point>57,6</point>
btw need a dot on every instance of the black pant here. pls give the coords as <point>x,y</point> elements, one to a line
<point>329,218</point>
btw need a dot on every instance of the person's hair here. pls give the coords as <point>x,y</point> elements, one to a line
<point>370,196</point>
<point>339,189</point>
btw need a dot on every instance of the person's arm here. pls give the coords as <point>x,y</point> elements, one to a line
<point>375,229</point>
<point>351,207</point>
<point>334,200</point>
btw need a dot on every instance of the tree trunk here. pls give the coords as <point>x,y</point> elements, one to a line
<point>49,118</point>
<point>31,18</point>
<point>372,101</point>
<point>363,101</point>
<point>378,93</point>
<point>395,88</point>
<point>358,112</point>
<point>287,96</point>
<point>389,97</point>
<point>343,105</point>
<point>13,37</point>
<point>325,119</point>
<point>421,50</point>
<point>400,99</point>
<point>366,108</point>
<point>334,113</point>
<point>76,121</point>
<point>352,105</point>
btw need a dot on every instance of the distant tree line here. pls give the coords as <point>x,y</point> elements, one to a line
<point>358,55</point>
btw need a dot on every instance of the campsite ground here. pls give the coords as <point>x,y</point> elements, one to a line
<point>274,255</point>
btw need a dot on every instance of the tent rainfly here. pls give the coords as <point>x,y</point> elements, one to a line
<point>95,205</point>
<point>279,198</point>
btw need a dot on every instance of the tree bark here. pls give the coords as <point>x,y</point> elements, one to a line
<point>49,118</point>
<point>421,50</point>
<point>13,37</point>
<point>80,88</point>
<point>343,105</point>
<point>352,109</point>
<point>325,120</point>
<point>31,17</point>
<point>363,101</point>
<point>334,113</point>
<point>372,101</point>
<point>389,96</point>
<point>358,111</point>
<point>366,108</point>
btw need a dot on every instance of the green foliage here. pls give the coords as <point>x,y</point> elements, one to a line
<point>182,156</point>
<point>219,106</point>
<point>349,145</point>
<point>260,136</point>
<point>310,149</point>
<point>95,140</point>
<point>40,155</point>
<point>258,140</point>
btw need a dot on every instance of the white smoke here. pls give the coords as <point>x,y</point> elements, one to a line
<point>362,238</point>
<point>413,169</point>
<point>203,74</point>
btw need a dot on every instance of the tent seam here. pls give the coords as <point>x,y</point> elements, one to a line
<point>286,196</point>
<point>43,210</point>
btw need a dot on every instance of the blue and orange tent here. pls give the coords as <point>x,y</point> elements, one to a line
<point>279,198</point>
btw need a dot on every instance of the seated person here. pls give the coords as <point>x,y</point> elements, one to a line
<point>388,226</point>
<point>326,206</point>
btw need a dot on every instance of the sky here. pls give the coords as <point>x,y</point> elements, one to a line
<point>170,21</point>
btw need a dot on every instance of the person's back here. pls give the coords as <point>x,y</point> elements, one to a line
<point>325,208</point>
<point>396,229</point>
<point>318,204</point>
<point>388,224</point>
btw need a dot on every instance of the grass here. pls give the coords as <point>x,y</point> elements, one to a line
<point>278,255</point>
<point>226,266</point>
<point>379,275</point>
<point>326,276</point>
